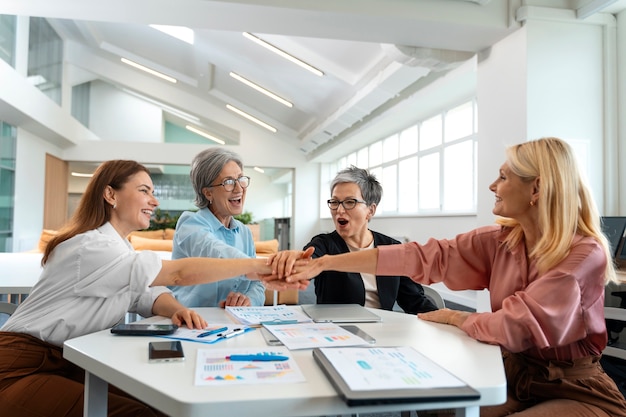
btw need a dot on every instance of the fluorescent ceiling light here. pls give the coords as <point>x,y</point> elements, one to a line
<point>261,170</point>
<point>204,134</point>
<point>179,32</point>
<point>80,174</point>
<point>149,70</point>
<point>172,110</point>
<point>261,89</point>
<point>283,54</point>
<point>251,118</point>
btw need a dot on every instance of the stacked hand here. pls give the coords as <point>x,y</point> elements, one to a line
<point>291,269</point>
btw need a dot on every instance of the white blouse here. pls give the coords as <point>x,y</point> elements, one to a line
<point>88,284</point>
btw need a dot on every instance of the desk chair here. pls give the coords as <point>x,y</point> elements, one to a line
<point>434,296</point>
<point>6,309</point>
<point>614,355</point>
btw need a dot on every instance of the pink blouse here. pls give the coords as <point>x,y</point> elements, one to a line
<point>557,315</point>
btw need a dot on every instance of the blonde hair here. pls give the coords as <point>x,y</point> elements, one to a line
<point>565,206</point>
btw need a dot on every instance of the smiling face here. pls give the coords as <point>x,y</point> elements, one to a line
<point>134,203</point>
<point>225,204</point>
<point>352,224</point>
<point>513,196</point>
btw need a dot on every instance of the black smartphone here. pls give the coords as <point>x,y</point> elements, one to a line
<point>358,332</point>
<point>165,352</point>
<point>138,329</point>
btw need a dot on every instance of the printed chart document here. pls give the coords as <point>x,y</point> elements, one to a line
<point>258,315</point>
<point>378,375</point>
<point>312,335</point>
<point>246,366</point>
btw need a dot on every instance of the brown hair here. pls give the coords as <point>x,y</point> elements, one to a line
<point>93,211</point>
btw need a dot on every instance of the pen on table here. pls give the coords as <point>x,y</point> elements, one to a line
<point>258,357</point>
<point>214,331</point>
<point>235,332</point>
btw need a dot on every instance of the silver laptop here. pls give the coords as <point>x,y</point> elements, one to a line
<point>339,313</point>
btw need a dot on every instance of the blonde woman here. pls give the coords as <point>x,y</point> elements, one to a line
<point>545,264</point>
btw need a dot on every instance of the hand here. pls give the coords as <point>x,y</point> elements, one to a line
<point>190,318</point>
<point>284,261</point>
<point>236,299</point>
<point>446,316</point>
<point>275,284</point>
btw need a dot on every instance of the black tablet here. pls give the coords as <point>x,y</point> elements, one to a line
<point>139,329</point>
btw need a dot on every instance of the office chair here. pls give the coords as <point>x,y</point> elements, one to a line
<point>434,296</point>
<point>6,309</point>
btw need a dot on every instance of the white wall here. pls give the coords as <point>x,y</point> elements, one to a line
<point>30,173</point>
<point>115,115</point>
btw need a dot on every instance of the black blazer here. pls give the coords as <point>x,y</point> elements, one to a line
<point>333,287</point>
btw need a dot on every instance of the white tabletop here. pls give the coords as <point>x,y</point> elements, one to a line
<point>122,361</point>
<point>19,272</point>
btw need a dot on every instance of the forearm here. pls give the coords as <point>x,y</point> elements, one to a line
<point>166,305</point>
<point>364,261</point>
<point>193,271</point>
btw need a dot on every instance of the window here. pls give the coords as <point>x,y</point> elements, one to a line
<point>428,168</point>
<point>45,58</point>
<point>8,140</point>
<point>7,39</point>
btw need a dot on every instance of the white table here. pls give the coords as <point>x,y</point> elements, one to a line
<point>19,272</point>
<point>122,361</point>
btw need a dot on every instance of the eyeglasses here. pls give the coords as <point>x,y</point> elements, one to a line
<point>348,204</point>
<point>229,183</point>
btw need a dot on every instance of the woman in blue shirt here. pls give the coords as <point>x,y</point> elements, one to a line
<point>220,186</point>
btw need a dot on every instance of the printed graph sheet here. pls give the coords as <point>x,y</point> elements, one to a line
<point>214,368</point>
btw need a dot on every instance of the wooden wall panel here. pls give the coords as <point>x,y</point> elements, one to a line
<point>55,198</point>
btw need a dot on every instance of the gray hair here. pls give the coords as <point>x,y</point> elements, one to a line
<point>371,190</point>
<point>206,168</point>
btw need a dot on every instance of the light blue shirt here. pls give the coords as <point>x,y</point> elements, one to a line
<point>201,234</point>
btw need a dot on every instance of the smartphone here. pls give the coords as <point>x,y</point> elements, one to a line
<point>358,332</point>
<point>165,352</point>
<point>270,339</point>
<point>138,329</point>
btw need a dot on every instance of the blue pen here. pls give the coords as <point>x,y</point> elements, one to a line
<point>264,357</point>
<point>214,331</point>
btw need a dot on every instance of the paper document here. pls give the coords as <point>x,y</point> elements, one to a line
<point>388,368</point>
<point>257,315</point>
<point>312,335</point>
<point>238,366</point>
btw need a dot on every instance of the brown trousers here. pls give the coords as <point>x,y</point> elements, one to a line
<point>36,381</point>
<point>537,388</point>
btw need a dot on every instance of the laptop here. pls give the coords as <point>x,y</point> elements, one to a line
<point>613,228</point>
<point>339,313</point>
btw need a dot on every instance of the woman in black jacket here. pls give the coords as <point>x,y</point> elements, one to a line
<point>355,193</point>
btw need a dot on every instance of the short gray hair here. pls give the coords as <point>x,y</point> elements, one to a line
<point>205,169</point>
<point>371,190</point>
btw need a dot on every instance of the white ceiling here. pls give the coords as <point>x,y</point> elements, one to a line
<point>355,43</point>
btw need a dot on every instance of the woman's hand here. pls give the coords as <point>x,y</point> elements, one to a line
<point>446,316</point>
<point>190,318</point>
<point>283,262</point>
<point>236,299</point>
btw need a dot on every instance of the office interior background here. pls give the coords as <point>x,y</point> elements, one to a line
<point>426,93</point>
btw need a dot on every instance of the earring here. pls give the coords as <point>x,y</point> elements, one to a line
<point>532,203</point>
<point>114,206</point>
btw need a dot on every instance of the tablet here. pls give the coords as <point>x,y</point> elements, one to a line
<point>388,375</point>
<point>139,329</point>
